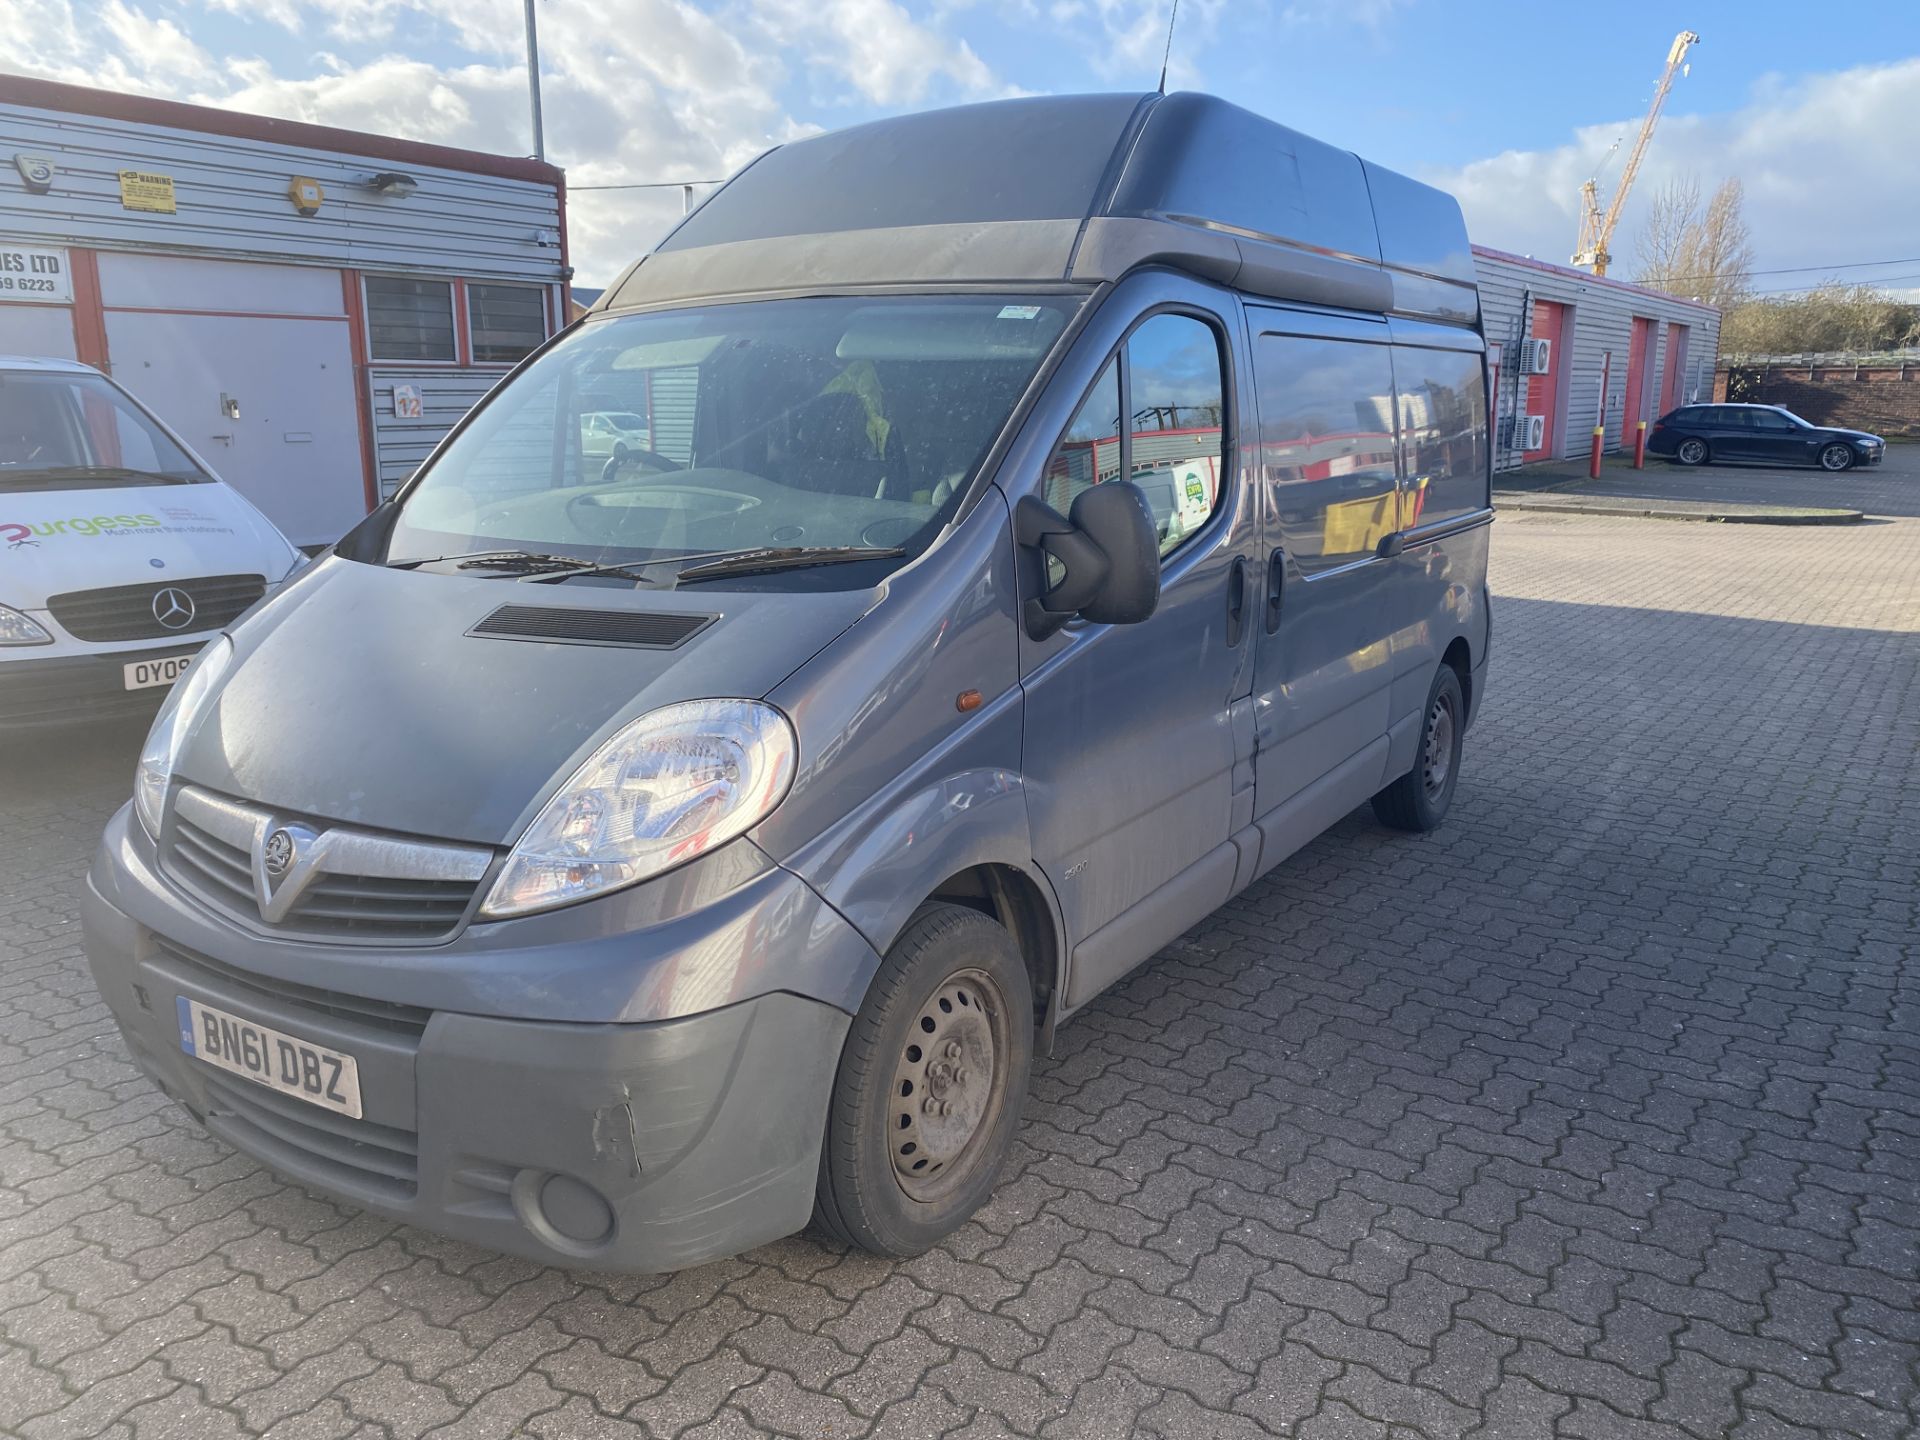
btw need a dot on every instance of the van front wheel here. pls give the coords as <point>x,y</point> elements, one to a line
<point>1418,800</point>
<point>930,1088</point>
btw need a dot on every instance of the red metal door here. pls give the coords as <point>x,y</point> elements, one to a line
<point>1639,369</point>
<point>1676,366</point>
<point>1549,320</point>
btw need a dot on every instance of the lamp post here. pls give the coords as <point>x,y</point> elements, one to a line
<point>533,83</point>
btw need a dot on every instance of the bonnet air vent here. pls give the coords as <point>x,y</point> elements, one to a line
<point>591,627</point>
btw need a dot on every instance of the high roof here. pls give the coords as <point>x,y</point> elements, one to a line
<point>1071,189</point>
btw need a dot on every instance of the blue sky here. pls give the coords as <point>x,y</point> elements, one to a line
<point>1508,104</point>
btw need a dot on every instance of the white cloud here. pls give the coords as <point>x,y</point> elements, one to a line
<point>284,13</point>
<point>1125,40</point>
<point>116,47</point>
<point>632,89</point>
<point>1829,164</point>
<point>875,46</point>
<point>154,45</point>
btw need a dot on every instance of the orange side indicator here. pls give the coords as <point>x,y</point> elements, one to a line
<point>967,700</point>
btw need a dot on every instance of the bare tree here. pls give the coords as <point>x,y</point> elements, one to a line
<point>1833,318</point>
<point>1700,254</point>
<point>1663,235</point>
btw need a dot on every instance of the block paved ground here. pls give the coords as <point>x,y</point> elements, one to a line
<point>1596,1114</point>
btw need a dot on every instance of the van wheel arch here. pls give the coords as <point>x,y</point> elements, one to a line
<point>1459,656</point>
<point>1014,898</point>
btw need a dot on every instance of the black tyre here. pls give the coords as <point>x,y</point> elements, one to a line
<point>930,1086</point>
<point>1836,456</point>
<point>1692,451</point>
<point>1418,800</point>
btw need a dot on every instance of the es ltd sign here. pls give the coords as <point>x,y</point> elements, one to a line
<point>31,274</point>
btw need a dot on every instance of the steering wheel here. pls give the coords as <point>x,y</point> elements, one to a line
<point>611,470</point>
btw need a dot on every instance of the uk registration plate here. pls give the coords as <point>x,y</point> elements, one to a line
<point>161,670</point>
<point>286,1063</point>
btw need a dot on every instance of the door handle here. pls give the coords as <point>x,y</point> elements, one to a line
<point>1236,601</point>
<point>1276,577</point>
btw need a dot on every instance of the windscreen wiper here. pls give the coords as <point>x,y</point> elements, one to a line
<point>527,561</point>
<point>767,559</point>
<point>42,474</point>
<point>586,568</point>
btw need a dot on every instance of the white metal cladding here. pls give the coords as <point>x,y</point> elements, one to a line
<point>1600,318</point>
<point>37,330</point>
<point>674,398</point>
<point>446,395</point>
<point>231,197</point>
<point>171,282</point>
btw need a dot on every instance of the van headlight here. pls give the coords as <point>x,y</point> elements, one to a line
<point>17,628</point>
<point>665,789</point>
<point>170,729</point>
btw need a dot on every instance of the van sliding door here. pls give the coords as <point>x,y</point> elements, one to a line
<point>1442,402</point>
<point>1328,475</point>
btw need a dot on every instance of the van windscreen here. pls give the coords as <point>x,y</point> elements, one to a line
<point>815,424</point>
<point>71,429</point>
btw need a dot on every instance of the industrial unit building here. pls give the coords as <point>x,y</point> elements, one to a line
<point>311,308</point>
<point>1570,351</point>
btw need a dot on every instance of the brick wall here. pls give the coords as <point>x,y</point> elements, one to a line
<point>1882,399</point>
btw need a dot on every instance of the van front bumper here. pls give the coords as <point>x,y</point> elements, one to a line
<point>643,1147</point>
<point>35,693</point>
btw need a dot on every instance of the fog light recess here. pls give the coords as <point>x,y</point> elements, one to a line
<point>575,1209</point>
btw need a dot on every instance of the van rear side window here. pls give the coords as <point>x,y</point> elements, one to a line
<point>1443,429</point>
<point>1326,445</point>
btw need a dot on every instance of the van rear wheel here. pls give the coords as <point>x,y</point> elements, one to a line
<point>930,1087</point>
<point>1418,800</point>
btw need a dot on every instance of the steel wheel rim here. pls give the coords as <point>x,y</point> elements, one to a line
<point>1692,451</point>
<point>949,1083</point>
<point>1437,763</point>
<point>1835,457</point>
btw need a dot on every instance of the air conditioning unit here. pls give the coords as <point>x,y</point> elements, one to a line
<point>1536,431</point>
<point>1536,357</point>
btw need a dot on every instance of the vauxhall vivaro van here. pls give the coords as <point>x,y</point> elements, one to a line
<point>121,553</point>
<point>1037,520</point>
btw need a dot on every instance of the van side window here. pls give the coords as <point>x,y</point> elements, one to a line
<point>1178,418</point>
<point>1443,432</point>
<point>1326,445</point>
<point>1089,452</point>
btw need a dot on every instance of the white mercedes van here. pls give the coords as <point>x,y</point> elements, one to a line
<point>121,552</point>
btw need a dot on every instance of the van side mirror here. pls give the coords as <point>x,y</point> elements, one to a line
<point>1110,553</point>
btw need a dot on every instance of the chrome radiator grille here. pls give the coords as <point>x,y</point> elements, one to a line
<point>155,609</point>
<point>336,882</point>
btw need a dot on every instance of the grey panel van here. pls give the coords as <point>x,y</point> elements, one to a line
<point>1036,521</point>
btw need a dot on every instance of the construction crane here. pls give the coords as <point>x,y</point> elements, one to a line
<point>1596,230</point>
